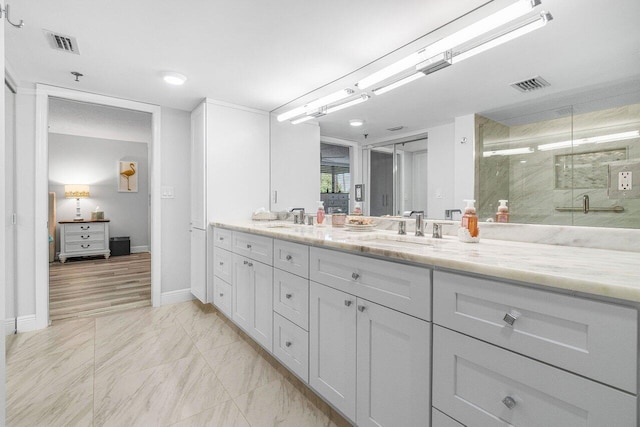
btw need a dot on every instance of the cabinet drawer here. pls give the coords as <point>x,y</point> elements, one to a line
<point>402,287</point>
<point>96,227</point>
<point>291,346</point>
<point>94,245</point>
<point>84,237</point>
<point>438,419</point>
<point>592,338</point>
<point>222,294</point>
<point>291,297</point>
<point>483,385</point>
<point>259,248</point>
<point>223,264</point>
<point>291,257</point>
<point>222,238</point>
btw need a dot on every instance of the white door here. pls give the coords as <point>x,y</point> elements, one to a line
<point>332,346</point>
<point>199,264</point>
<point>3,255</point>
<point>393,367</point>
<point>262,277</point>
<point>243,293</point>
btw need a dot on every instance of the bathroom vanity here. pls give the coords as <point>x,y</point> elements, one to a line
<point>405,331</point>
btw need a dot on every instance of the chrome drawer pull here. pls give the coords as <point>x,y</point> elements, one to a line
<point>348,303</point>
<point>221,294</point>
<point>85,246</point>
<point>288,343</point>
<point>361,308</point>
<point>246,262</point>
<point>85,228</point>
<point>509,402</point>
<point>221,263</point>
<point>289,257</point>
<point>85,237</point>
<point>355,276</point>
<point>511,317</point>
<point>248,246</point>
<point>288,296</point>
<point>220,238</point>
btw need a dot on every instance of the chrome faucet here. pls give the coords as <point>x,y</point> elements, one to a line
<point>298,219</point>
<point>437,230</point>
<point>448,213</point>
<point>419,223</point>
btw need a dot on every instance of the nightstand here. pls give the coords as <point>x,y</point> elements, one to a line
<point>84,238</point>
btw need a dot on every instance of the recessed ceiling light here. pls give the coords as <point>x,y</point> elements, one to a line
<point>172,78</point>
<point>356,122</point>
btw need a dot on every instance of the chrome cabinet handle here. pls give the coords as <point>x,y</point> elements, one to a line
<point>288,257</point>
<point>85,228</point>
<point>85,246</point>
<point>509,402</point>
<point>511,317</point>
<point>84,237</point>
<point>250,264</point>
<point>288,343</point>
<point>288,296</point>
<point>355,276</point>
<point>348,303</point>
<point>221,294</point>
<point>221,263</point>
<point>220,238</point>
<point>248,246</point>
<point>361,308</point>
<point>247,263</point>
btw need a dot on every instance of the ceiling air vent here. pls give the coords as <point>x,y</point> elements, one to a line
<point>62,42</point>
<point>531,84</point>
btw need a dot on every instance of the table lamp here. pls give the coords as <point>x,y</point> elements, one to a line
<point>77,191</point>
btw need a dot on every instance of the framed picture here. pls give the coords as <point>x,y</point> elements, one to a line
<point>127,176</point>
<point>359,188</point>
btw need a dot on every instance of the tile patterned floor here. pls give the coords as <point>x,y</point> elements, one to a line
<point>179,365</point>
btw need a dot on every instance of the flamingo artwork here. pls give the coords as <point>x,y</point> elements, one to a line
<point>128,173</point>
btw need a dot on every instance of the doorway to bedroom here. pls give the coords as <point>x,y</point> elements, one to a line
<point>99,223</point>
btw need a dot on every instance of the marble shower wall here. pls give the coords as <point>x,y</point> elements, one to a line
<point>537,183</point>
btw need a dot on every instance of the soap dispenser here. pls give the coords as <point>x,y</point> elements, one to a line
<point>503,212</point>
<point>320,214</point>
<point>469,219</point>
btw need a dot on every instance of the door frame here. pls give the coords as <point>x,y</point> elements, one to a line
<point>41,190</point>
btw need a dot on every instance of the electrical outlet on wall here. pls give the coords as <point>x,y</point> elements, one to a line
<point>625,181</point>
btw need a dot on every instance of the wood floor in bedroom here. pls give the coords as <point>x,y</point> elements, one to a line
<point>84,287</point>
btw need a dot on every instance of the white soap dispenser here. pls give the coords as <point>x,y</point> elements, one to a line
<point>503,212</point>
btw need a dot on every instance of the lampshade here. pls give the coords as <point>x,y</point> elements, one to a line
<point>76,191</point>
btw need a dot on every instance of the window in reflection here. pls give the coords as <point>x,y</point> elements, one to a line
<point>335,177</point>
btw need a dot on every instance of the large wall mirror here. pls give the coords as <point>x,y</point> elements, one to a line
<point>469,130</point>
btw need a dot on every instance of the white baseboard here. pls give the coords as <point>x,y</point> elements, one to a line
<point>25,324</point>
<point>139,249</point>
<point>173,297</point>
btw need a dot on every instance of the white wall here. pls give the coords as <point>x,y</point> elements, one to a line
<point>441,171</point>
<point>9,271</point>
<point>176,130</point>
<point>94,161</point>
<point>295,165</point>
<point>175,215</point>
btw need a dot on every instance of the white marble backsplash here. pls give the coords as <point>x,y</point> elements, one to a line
<point>621,239</point>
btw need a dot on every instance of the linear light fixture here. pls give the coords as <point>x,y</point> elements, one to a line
<point>351,103</point>
<point>313,105</point>
<point>512,34</point>
<point>590,140</point>
<point>429,66</point>
<point>475,30</point>
<point>302,119</point>
<point>324,110</point>
<point>508,152</point>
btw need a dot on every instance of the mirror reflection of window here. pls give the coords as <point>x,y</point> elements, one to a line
<point>335,177</point>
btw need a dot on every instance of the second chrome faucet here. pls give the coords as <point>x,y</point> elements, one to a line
<point>419,222</point>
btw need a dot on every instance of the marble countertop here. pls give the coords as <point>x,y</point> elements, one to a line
<point>601,272</point>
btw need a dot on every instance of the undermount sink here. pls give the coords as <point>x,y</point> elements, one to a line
<point>398,240</point>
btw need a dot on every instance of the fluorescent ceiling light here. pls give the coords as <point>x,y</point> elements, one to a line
<point>172,78</point>
<point>590,140</point>
<point>356,122</point>
<point>314,105</point>
<point>302,119</point>
<point>458,38</point>
<point>509,152</point>
<point>351,103</point>
<point>397,84</point>
<point>512,34</point>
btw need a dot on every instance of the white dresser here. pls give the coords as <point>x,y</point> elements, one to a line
<point>84,238</point>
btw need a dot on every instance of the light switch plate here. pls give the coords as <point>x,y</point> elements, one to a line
<point>624,180</point>
<point>167,192</point>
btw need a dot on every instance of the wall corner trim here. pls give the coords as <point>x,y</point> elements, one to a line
<point>25,324</point>
<point>173,297</point>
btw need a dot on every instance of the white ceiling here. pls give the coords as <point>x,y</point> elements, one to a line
<point>265,54</point>
<point>260,54</point>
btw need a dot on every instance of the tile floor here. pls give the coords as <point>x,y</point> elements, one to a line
<point>178,365</point>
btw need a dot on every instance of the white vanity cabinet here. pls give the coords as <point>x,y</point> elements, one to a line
<point>370,361</point>
<point>510,354</point>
